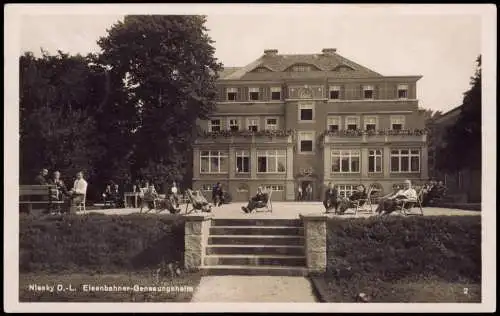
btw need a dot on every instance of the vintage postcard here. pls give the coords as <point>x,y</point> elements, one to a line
<point>234,158</point>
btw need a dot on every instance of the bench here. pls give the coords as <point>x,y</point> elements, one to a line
<point>44,196</point>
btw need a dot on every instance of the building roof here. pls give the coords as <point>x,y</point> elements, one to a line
<point>276,66</point>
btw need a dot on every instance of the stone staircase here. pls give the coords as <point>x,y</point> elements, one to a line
<point>255,247</point>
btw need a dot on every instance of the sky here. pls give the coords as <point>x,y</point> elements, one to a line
<point>441,48</point>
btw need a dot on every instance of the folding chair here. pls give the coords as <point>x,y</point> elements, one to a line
<point>406,205</point>
<point>196,205</point>
<point>268,205</point>
<point>367,202</point>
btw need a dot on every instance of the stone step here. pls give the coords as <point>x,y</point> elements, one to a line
<point>253,270</point>
<point>255,260</point>
<point>255,250</point>
<point>256,230</point>
<point>255,240</point>
<point>256,222</point>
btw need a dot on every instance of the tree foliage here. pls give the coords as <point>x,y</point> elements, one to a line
<point>462,141</point>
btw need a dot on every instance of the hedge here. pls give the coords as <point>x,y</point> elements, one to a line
<point>367,254</point>
<point>99,243</point>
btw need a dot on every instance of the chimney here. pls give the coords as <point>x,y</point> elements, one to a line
<point>329,51</point>
<point>270,52</point>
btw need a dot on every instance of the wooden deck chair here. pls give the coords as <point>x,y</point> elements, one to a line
<point>367,202</point>
<point>406,205</point>
<point>195,204</point>
<point>268,205</point>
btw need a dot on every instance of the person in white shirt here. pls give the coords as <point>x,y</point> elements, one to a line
<point>388,204</point>
<point>79,190</point>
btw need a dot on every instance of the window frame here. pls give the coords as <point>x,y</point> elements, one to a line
<point>242,154</point>
<point>368,87</point>
<point>232,90</point>
<point>274,90</point>
<point>306,106</point>
<point>334,88</point>
<point>406,88</point>
<point>310,134</point>
<point>341,155</point>
<point>274,187</point>
<point>256,118</point>
<point>273,153</point>
<point>210,125</point>
<point>342,188</point>
<point>366,118</point>
<point>220,154</point>
<point>229,119</point>
<point>357,118</point>
<point>395,118</point>
<point>336,117</point>
<point>409,156</point>
<point>376,155</point>
<point>276,126</point>
<point>254,90</point>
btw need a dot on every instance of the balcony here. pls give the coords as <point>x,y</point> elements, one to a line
<point>238,137</point>
<point>371,136</point>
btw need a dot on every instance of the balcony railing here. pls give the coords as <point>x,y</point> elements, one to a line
<point>246,133</point>
<point>359,132</point>
<point>348,136</point>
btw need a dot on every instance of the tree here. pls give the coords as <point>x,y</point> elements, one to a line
<point>57,115</point>
<point>434,135</point>
<point>463,140</point>
<point>169,72</point>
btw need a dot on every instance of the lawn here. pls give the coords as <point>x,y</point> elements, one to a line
<point>144,287</point>
<point>403,259</point>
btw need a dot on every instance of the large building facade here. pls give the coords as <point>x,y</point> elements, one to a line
<point>290,121</point>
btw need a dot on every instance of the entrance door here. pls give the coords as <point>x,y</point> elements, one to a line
<point>307,190</point>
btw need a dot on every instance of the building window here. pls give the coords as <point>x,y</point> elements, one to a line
<point>275,93</point>
<point>232,93</point>
<point>271,123</point>
<point>214,125</point>
<point>405,160</point>
<point>301,68</point>
<point>274,187</point>
<point>253,124</point>
<point>213,162</point>
<point>242,188</point>
<point>345,161</point>
<point>333,123</point>
<point>352,123</point>
<point>306,142</point>
<point>242,161</point>
<point>397,122</point>
<point>403,91</point>
<point>334,92</point>
<point>374,160</point>
<point>253,94</point>
<point>207,187</point>
<point>368,92</point>
<point>234,125</point>
<point>271,161</point>
<point>345,190</point>
<point>370,123</point>
<point>306,111</point>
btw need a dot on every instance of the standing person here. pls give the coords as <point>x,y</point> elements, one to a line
<point>300,193</point>
<point>330,200</point>
<point>58,182</point>
<point>174,191</point>
<point>217,194</point>
<point>309,192</point>
<point>41,178</point>
<point>116,195</point>
<point>78,191</point>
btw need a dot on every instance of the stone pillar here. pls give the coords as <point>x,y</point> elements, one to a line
<point>197,229</point>
<point>196,162</point>
<point>315,241</point>
<point>232,162</point>
<point>364,163</point>
<point>253,161</point>
<point>387,162</point>
<point>289,162</point>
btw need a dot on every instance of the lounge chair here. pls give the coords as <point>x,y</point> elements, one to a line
<point>198,202</point>
<point>364,203</point>
<point>406,205</point>
<point>266,206</point>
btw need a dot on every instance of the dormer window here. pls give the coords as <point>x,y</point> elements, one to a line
<point>261,69</point>
<point>302,68</point>
<point>232,93</point>
<point>402,91</point>
<point>253,94</point>
<point>368,92</point>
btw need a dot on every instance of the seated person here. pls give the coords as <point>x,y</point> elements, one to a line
<point>174,194</point>
<point>115,196</point>
<point>388,204</point>
<point>259,200</point>
<point>358,195</point>
<point>168,204</point>
<point>330,200</point>
<point>62,191</point>
<point>150,195</point>
<point>199,201</point>
<point>106,196</point>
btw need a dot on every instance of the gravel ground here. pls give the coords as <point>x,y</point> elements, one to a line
<point>271,289</point>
